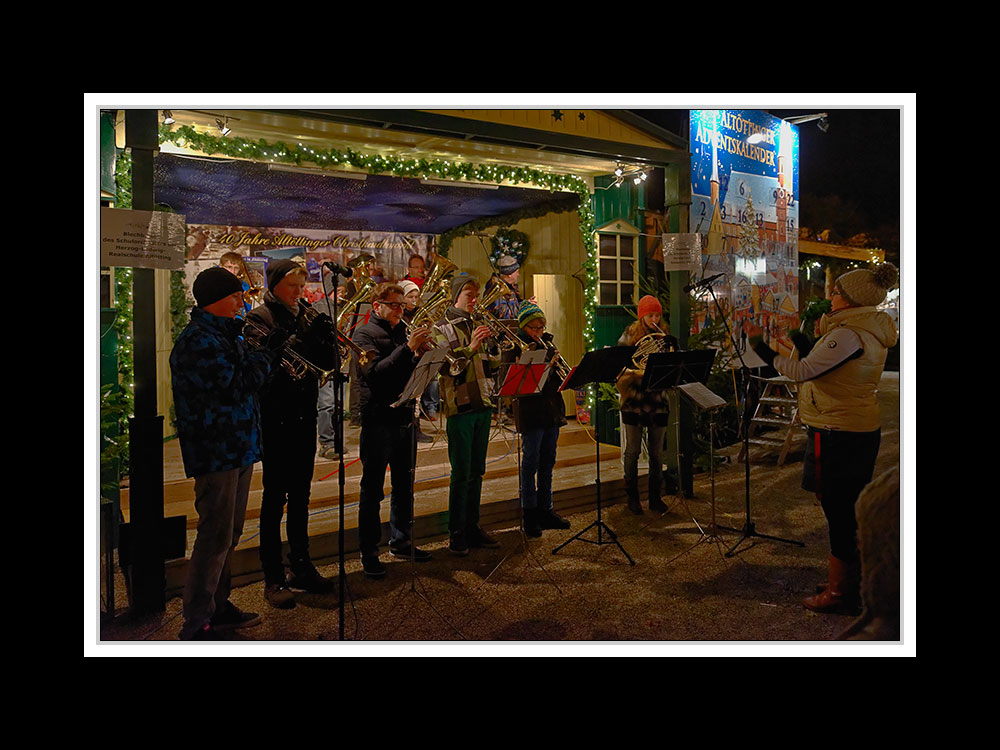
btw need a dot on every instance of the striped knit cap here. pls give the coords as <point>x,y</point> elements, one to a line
<point>529,311</point>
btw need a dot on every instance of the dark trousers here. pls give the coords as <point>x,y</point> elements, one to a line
<point>289,453</point>
<point>837,466</point>
<point>538,457</point>
<point>221,502</point>
<point>468,443</point>
<point>383,447</point>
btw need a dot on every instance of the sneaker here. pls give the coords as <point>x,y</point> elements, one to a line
<point>330,452</point>
<point>457,544</point>
<point>233,618</point>
<point>657,505</point>
<point>372,566</point>
<point>531,527</point>
<point>279,596</point>
<point>430,416</point>
<point>479,538</point>
<point>403,550</point>
<point>549,519</point>
<point>204,633</point>
<point>311,581</point>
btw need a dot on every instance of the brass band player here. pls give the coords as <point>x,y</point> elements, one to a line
<point>289,434</point>
<point>644,410</point>
<point>538,419</point>
<point>387,431</point>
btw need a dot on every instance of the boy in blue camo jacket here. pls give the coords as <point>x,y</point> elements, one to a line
<point>214,379</point>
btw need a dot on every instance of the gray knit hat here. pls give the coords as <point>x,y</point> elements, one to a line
<point>460,280</point>
<point>507,265</point>
<point>867,288</point>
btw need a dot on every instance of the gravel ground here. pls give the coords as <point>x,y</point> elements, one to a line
<point>683,595</point>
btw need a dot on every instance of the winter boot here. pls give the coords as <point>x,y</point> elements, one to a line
<point>843,592</point>
<point>531,527</point>
<point>656,504</point>
<point>632,493</point>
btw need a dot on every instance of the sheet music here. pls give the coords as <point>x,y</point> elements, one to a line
<point>703,398</point>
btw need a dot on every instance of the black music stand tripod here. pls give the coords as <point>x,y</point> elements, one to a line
<point>428,367</point>
<point>598,366</point>
<point>526,377</point>
<point>749,531</point>
<point>669,371</point>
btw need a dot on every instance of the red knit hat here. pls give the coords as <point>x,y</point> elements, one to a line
<point>649,304</point>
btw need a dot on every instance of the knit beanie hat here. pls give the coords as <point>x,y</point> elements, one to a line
<point>213,284</point>
<point>649,304</point>
<point>279,269</point>
<point>867,288</point>
<point>507,265</point>
<point>529,311</point>
<point>460,280</point>
<point>407,286</point>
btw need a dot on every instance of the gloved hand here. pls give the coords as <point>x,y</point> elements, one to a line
<point>761,349</point>
<point>802,343</point>
<point>276,340</point>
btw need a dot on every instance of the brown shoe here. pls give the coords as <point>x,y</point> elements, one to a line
<point>279,596</point>
<point>842,594</point>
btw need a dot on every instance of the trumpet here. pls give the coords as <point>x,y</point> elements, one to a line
<point>294,363</point>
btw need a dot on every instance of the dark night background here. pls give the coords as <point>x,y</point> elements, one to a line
<point>849,176</point>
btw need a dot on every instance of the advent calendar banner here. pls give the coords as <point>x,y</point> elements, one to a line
<point>745,204</point>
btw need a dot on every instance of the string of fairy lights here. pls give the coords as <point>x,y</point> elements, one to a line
<point>185,136</point>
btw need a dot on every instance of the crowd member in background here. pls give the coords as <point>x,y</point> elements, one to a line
<point>642,410</point>
<point>387,431</point>
<point>233,262</point>
<point>467,402</point>
<point>538,419</point>
<point>838,403</point>
<point>288,427</point>
<point>215,378</point>
<point>508,271</point>
<point>416,270</point>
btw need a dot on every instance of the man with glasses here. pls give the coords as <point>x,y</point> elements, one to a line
<point>416,270</point>
<point>387,432</point>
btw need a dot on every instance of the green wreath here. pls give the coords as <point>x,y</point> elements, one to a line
<point>509,242</point>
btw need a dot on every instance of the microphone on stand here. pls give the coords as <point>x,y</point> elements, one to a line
<point>703,282</point>
<point>336,268</point>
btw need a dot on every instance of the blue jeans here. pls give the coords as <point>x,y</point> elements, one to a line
<point>538,456</point>
<point>221,502</point>
<point>429,398</point>
<point>384,447</point>
<point>324,414</point>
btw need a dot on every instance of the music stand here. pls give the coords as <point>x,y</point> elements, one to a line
<point>526,377</point>
<point>670,370</point>
<point>707,401</point>
<point>598,366</point>
<point>427,367</point>
<point>748,530</point>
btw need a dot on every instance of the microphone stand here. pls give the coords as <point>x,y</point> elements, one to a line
<point>749,530</point>
<point>338,432</point>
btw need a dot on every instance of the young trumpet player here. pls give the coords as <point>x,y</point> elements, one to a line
<point>289,433</point>
<point>538,419</point>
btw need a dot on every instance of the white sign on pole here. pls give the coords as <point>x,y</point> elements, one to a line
<point>142,239</point>
<point>682,251</point>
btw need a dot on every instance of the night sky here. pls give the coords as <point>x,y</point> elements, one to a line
<point>857,159</point>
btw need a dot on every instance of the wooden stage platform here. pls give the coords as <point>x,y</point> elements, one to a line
<point>574,490</point>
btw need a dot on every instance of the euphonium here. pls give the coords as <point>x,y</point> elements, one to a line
<point>366,290</point>
<point>429,315</point>
<point>437,281</point>
<point>481,315</point>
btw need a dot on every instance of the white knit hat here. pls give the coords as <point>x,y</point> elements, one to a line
<point>407,286</point>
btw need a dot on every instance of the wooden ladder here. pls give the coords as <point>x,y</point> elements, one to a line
<point>778,406</point>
